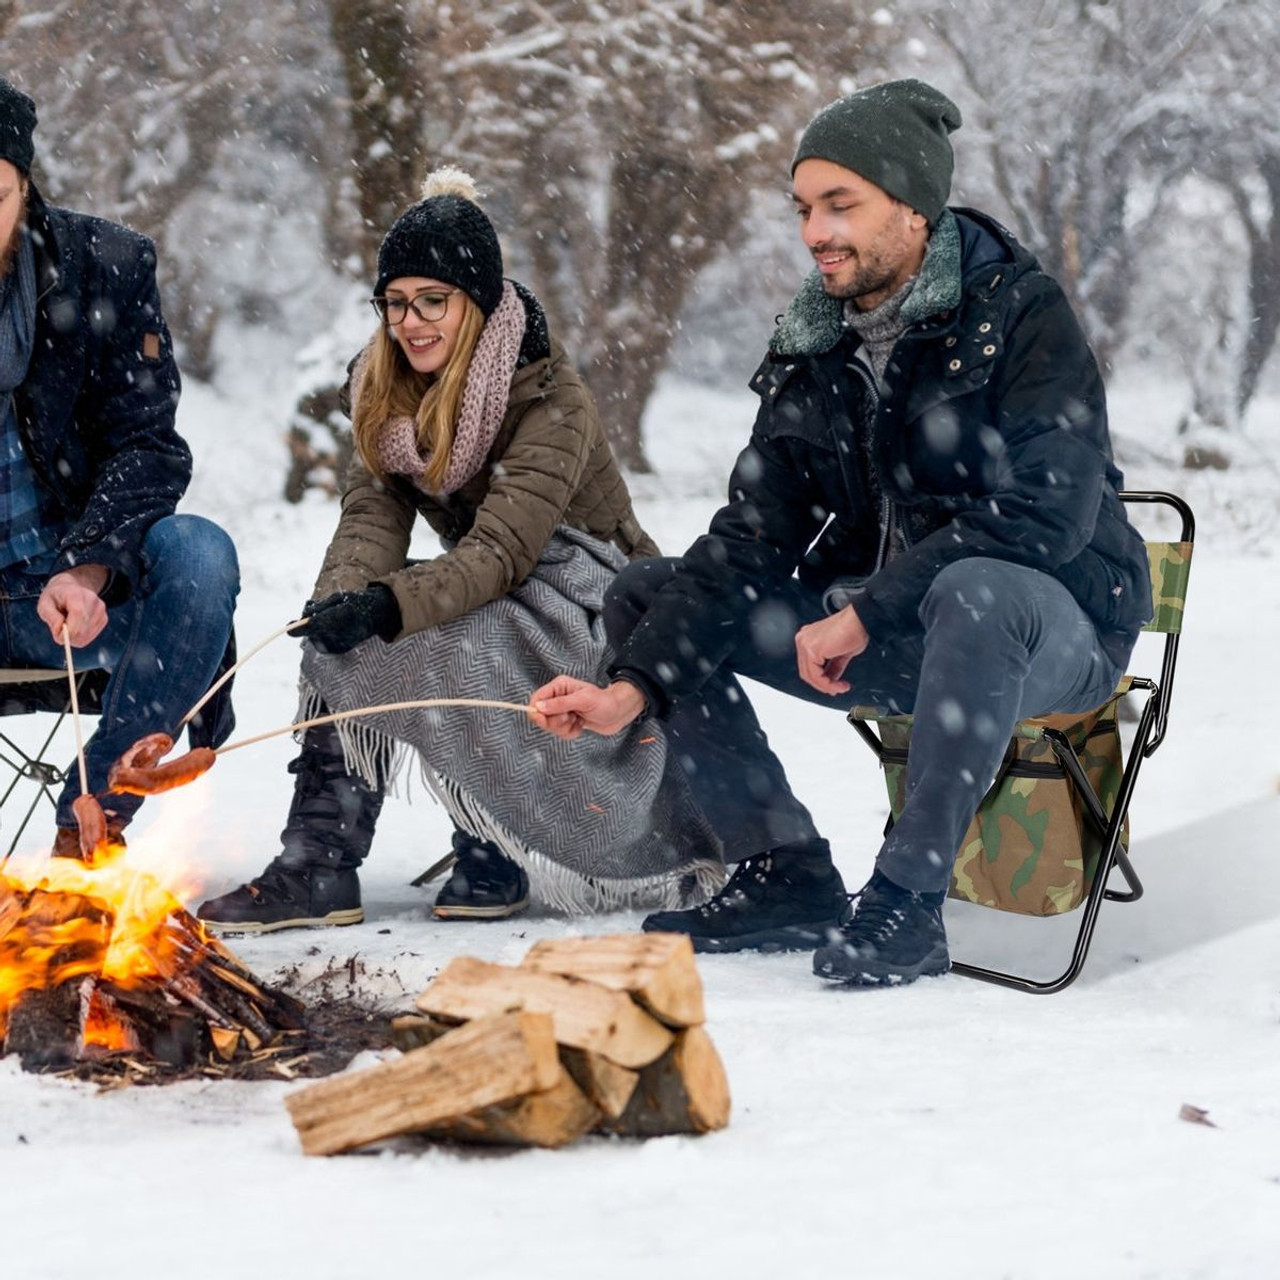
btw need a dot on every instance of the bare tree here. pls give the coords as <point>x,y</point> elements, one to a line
<point>629,137</point>
<point>1084,110</point>
<point>147,110</point>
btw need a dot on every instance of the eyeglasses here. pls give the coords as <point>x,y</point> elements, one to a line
<point>429,305</point>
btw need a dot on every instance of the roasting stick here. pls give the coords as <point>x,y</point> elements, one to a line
<point>523,707</point>
<point>226,675</point>
<point>75,710</point>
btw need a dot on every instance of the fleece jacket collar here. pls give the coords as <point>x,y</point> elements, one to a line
<point>814,322</point>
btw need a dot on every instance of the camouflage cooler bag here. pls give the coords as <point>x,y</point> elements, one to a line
<point>1033,846</point>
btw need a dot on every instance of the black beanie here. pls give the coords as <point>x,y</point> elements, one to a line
<point>17,124</point>
<point>895,135</point>
<point>445,236</point>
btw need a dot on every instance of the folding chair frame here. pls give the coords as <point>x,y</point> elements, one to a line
<point>33,766</point>
<point>1150,733</point>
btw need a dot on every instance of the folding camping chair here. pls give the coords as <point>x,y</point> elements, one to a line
<point>1055,822</point>
<point>23,691</point>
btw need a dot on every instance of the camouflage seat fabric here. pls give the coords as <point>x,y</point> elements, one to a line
<point>1033,846</point>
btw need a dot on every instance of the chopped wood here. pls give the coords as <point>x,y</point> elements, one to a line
<point>685,1091</point>
<point>657,969</point>
<point>606,1084</point>
<point>413,1030</point>
<point>225,1042</point>
<point>585,1015</point>
<point>551,1118</point>
<point>489,1061</point>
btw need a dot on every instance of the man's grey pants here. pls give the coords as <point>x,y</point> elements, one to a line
<point>997,643</point>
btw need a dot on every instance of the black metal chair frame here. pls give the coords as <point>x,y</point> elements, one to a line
<point>1150,733</point>
<point>25,691</point>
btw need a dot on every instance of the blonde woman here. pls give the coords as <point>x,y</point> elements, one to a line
<point>467,413</point>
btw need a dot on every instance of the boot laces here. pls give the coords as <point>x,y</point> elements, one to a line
<point>747,884</point>
<point>877,916</point>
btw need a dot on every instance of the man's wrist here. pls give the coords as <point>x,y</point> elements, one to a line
<point>631,698</point>
<point>92,577</point>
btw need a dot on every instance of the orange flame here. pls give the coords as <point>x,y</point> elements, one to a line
<point>105,919</point>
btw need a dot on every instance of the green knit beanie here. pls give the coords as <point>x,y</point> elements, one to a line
<point>895,135</point>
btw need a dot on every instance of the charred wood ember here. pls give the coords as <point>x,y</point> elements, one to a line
<point>111,972</point>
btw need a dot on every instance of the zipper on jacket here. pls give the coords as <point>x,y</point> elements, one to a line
<point>886,512</point>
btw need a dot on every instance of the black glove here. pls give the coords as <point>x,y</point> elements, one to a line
<point>343,620</point>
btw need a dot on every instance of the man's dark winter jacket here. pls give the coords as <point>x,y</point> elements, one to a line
<point>991,440</point>
<point>96,409</point>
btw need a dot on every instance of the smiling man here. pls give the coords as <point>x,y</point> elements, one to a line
<point>91,469</point>
<point>926,518</point>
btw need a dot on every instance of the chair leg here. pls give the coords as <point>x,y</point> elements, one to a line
<point>1112,856</point>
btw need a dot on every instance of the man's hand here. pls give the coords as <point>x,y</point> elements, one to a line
<point>824,648</point>
<point>567,706</point>
<point>70,599</point>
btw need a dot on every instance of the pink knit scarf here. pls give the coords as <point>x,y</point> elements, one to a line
<point>484,403</point>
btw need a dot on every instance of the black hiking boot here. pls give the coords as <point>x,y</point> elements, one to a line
<point>785,900</point>
<point>485,884</point>
<point>285,897</point>
<point>327,835</point>
<point>895,936</point>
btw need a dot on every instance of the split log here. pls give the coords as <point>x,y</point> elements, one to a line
<point>488,1062</point>
<point>552,1118</point>
<point>685,1091</point>
<point>657,969</point>
<point>606,1084</point>
<point>413,1030</point>
<point>586,1016</point>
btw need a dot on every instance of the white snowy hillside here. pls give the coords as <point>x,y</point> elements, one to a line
<point>948,1129</point>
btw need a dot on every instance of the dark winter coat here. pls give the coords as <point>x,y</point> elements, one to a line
<point>96,409</point>
<point>550,464</point>
<point>990,440</point>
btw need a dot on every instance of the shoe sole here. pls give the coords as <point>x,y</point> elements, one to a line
<point>480,913</point>
<point>792,937</point>
<point>866,973</point>
<point>354,915</point>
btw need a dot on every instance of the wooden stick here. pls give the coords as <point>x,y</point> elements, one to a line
<point>524,708</point>
<point>226,675</point>
<point>75,710</point>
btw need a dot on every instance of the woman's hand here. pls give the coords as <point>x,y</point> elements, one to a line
<point>347,618</point>
<point>565,707</point>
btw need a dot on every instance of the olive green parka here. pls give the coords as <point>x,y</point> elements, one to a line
<point>549,465</point>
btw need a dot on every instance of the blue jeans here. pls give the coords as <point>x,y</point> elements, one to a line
<point>997,642</point>
<point>162,646</point>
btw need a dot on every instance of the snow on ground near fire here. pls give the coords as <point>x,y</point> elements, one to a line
<point>948,1129</point>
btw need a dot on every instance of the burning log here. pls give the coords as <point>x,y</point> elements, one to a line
<point>619,1070</point>
<point>97,962</point>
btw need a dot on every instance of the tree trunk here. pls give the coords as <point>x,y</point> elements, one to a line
<point>1264,283</point>
<point>666,220</point>
<point>386,110</point>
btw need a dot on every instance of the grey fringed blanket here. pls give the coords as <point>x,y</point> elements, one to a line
<point>597,823</point>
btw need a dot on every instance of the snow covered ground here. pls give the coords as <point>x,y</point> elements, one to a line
<point>950,1129</point>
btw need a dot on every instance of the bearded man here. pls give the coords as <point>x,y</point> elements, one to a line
<point>91,470</point>
<point>926,519</point>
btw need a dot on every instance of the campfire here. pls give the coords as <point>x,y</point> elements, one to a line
<point>104,970</point>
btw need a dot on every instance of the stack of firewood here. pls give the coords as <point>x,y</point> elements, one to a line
<point>587,1034</point>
